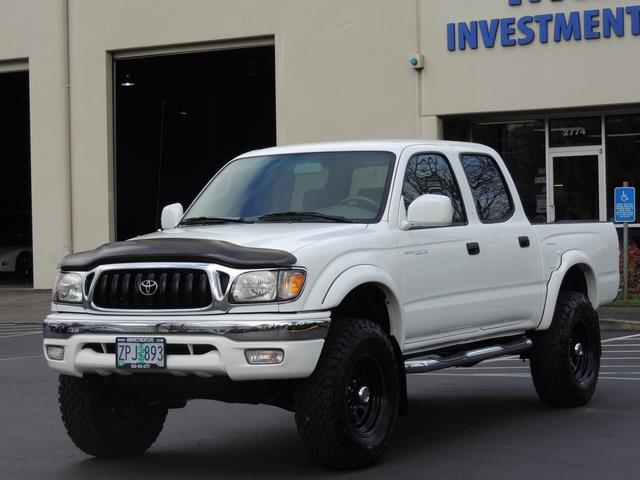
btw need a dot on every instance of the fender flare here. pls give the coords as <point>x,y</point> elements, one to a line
<point>569,259</point>
<point>358,275</point>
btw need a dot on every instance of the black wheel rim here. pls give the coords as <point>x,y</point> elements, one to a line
<point>365,396</point>
<point>582,351</point>
<point>128,415</point>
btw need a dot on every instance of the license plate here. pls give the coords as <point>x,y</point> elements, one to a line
<point>140,353</point>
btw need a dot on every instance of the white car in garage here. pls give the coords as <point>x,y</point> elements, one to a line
<point>18,260</point>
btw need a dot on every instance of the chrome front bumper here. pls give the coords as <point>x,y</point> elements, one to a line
<point>246,327</point>
<point>301,337</point>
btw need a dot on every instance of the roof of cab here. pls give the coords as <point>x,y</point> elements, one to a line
<point>395,146</point>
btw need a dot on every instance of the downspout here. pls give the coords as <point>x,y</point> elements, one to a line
<point>429,125</point>
<point>68,247</point>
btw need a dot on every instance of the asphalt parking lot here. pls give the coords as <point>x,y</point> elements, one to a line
<point>484,422</point>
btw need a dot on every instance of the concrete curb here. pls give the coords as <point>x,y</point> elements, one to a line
<point>620,325</point>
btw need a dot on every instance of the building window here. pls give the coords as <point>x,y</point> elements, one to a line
<point>575,132</point>
<point>521,144</point>
<point>623,154</point>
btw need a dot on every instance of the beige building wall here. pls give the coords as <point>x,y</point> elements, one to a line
<point>532,77</point>
<point>33,33</point>
<point>341,72</point>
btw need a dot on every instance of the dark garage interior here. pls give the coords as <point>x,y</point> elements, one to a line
<point>16,261</point>
<point>178,119</point>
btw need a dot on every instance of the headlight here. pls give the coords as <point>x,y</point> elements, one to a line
<point>68,288</point>
<point>267,286</point>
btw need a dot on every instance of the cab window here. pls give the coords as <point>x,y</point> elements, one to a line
<point>490,192</point>
<point>430,173</point>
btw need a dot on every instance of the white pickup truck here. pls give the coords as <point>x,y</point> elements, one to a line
<point>314,278</point>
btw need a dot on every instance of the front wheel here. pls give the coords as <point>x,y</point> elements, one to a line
<point>105,422</point>
<point>347,410</point>
<point>565,359</point>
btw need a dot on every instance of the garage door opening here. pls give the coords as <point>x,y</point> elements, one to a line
<point>16,260</point>
<point>178,119</point>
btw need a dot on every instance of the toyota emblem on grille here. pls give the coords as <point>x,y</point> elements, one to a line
<point>148,287</point>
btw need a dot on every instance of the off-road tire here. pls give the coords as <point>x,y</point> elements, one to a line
<point>339,428</point>
<point>98,421</point>
<point>565,359</point>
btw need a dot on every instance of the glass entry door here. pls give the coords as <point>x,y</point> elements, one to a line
<point>577,187</point>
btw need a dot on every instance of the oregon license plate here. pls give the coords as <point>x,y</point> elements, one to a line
<point>142,353</point>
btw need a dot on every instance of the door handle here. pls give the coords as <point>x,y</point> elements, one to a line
<point>524,242</point>
<point>473,248</point>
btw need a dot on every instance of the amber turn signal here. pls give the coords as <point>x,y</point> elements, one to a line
<point>291,283</point>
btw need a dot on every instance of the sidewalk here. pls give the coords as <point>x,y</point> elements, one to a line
<point>619,318</point>
<point>21,305</point>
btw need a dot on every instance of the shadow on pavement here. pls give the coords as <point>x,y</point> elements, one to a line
<point>420,439</point>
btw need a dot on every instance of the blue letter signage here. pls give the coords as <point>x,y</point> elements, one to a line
<point>561,27</point>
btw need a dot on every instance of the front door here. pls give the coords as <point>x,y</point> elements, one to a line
<point>577,187</point>
<point>442,275</point>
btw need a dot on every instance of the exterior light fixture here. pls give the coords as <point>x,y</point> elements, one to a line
<point>127,81</point>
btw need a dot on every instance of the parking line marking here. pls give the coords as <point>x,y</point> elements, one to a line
<point>495,368</point>
<point>21,335</point>
<point>20,358</point>
<point>514,375</point>
<point>502,359</point>
<point>508,375</point>
<point>19,331</point>
<point>620,378</point>
<point>609,340</point>
<point>19,327</point>
<point>619,373</point>
<point>623,351</point>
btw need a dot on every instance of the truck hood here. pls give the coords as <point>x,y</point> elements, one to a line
<point>288,237</point>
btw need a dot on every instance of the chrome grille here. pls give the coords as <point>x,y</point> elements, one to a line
<point>169,289</point>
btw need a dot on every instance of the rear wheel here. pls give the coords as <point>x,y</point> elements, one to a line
<point>105,422</point>
<point>347,410</point>
<point>565,359</point>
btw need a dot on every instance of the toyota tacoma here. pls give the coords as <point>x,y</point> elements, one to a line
<point>315,278</point>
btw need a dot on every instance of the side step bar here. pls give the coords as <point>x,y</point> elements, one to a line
<point>469,358</point>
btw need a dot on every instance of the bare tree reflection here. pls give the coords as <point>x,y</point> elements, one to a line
<point>432,174</point>
<point>488,188</point>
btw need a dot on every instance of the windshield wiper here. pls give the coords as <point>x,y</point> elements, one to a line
<point>290,216</point>
<point>212,221</point>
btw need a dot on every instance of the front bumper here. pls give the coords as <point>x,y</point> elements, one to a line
<point>88,341</point>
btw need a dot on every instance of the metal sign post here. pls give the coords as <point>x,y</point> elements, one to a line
<point>625,213</point>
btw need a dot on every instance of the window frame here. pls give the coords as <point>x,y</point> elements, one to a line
<point>457,184</point>
<point>512,209</point>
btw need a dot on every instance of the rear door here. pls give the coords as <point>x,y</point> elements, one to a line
<point>514,279</point>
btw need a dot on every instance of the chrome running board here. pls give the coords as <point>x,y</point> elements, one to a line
<point>469,358</point>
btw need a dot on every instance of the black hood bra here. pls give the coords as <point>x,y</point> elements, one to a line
<point>178,250</point>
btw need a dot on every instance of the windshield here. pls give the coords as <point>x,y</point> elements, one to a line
<point>305,187</point>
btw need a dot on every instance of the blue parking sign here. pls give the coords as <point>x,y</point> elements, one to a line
<point>625,205</point>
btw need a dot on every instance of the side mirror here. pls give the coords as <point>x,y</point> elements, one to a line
<point>429,211</point>
<point>171,215</point>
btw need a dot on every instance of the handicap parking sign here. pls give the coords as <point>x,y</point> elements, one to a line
<point>625,205</point>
